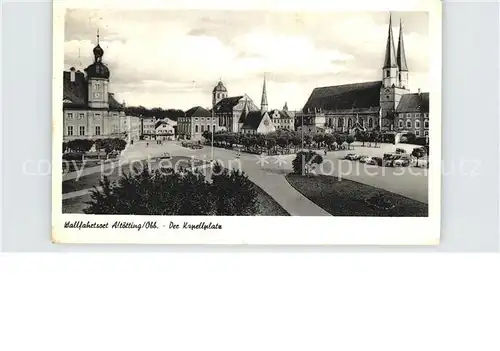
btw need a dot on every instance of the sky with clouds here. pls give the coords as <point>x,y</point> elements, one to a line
<point>173,59</point>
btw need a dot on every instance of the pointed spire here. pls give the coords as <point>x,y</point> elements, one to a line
<point>390,53</point>
<point>263,103</point>
<point>97,36</point>
<point>401,56</point>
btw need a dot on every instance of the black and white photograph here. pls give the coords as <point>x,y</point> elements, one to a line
<point>217,113</point>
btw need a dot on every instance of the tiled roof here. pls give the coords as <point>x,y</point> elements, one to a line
<point>253,119</point>
<point>344,97</point>
<point>416,102</point>
<point>77,92</point>
<point>227,104</point>
<point>198,111</point>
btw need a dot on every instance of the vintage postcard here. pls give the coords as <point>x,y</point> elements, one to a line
<point>249,123</point>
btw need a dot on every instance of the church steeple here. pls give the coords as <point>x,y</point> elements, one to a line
<point>263,103</point>
<point>390,69</point>
<point>390,53</point>
<point>401,56</point>
<point>401,59</point>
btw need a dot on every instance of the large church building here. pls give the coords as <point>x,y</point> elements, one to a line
<point>367,105</point>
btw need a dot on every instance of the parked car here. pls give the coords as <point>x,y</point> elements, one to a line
<point>375,161</point>
<point>165,155</point>
<point>401,162</point>
<point>363,158</point>
<point>197,146</point>
<point>351,157</point>
<point>400,151</point>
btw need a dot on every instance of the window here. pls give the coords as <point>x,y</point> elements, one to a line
<point>196,128</point>
<point>213,119</point>
<point>408,115</point>
<point>387,74</point>
<point>417,124</point>
<point>97,130</point>
<point>82,130</point>
<point>218,96</point>
<point>340,122</point>
<point>97,115</point>
<point>387,97</point>
<point>426,133</point>
<point>202,127</point>
<point>349,123</point>
<point>426,115</point>
<point>70,130</point>
<point>95,94</point>
<point>81,115</point>
<point>202,119</point>
<point>400,123</point>
<point>96,86</point>
<point>417,114</point>
<point>370,123</point>
<point>408,124</point>
<point>417,133</point>
<point>70,115</point>
<point>208,128</point>
<point>196,118</point>
<point>426,124</point>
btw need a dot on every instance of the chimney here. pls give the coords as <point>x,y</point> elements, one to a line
<point>72,74</point>
<point>418,91</point>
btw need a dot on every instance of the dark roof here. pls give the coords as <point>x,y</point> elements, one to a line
<point>97,70</point>
<point>390,53</point>
<point>227,104</point>
<point>282,113</point>
<point>401,56</point>
<point>220,87</point>
<point>253,119</point>
<point>345,97</point>
<point>77,92</point>
<point>198,111</point>
<point>416,102</point>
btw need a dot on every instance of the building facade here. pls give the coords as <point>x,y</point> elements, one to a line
<point>283,119</point>
<point>412,115</point>
<point>148,128</point>
<point>362,106</point>
<point>90,111</point>
<point>196,121</point>
<point>164,131</point>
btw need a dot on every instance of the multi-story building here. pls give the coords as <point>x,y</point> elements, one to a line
<point>196,121</point>
<point>148,128</point>
<point>412,115</point>
<point>90,111</point>
<point>283,119</point>
<point>365,105</point>
<point>164,131</point>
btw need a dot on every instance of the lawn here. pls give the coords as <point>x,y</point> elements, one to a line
<point>348,198</point>
<point>91,180</point>
<point>266,205</point>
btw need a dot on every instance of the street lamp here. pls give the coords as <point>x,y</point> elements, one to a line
<point>213,131</point>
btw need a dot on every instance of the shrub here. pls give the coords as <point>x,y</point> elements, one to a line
<point>168,192</point>
<point>303,158</point>
<point>73,156</point>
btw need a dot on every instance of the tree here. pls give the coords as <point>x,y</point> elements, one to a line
<point>418,153</point>
<point>304,159</point>
<point>80,145</point>
<point>340,139</point>
<point>349,139</point>
<point>318,138</point>
<point>233,192</point>
<point>329,140</point>
<point>410,137</point>
<point>168,192</point>
<point>375,137</point>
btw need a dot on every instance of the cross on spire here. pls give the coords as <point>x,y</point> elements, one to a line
<point>97,36</point>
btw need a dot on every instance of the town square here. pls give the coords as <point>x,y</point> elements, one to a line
<point>359,148</point>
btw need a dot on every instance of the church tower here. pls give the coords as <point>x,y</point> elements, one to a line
<point>401,59</point>
<point>219,93</point>
<point>98,79</point>
<point>392,88</point>
<point>390,69</point>
<point>263,102</point>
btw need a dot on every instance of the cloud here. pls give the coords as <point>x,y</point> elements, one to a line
<point>173,59</point>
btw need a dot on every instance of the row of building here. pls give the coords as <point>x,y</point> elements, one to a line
<point>91,111</point>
